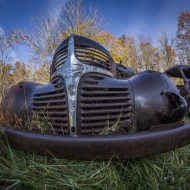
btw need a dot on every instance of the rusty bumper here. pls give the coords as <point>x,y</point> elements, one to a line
<point>129,146</point>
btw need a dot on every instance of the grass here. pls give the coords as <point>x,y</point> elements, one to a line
<point>27,171</point>
<point>21,170</point>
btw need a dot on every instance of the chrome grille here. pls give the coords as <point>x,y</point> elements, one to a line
<point>103,106</point>
<point>49,104</point>
<point>92,56</point>
<point>59,59</point>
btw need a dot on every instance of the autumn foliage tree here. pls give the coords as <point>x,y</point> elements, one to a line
<point>183,36</point>
<point>167,49</point>
<point>6,56</point>
<point>75,17</point>
<point>20,72</point>
<point>47,31</point>
<point>110,42</point>
<point>122,49</point>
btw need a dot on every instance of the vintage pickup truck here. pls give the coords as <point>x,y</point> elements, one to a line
<point>180,74</point>
<point>91,112</point>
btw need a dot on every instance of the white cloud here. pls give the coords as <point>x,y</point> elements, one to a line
<point>54,8</point>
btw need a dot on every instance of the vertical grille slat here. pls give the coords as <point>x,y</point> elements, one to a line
<point>102,105</point>
<point>49,104</point>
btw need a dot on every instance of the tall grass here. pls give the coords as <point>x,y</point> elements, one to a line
<point>21,170</point>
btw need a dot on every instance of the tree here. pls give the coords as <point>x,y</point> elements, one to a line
<point>149,55</point>
<point>20,72</point>
<point>110,42</point>
<point>122,49</point>
<point>167,49</point>
<point>183,36</point>
<point>129,55</point>
<point>6,57</point>
<point>42,42</point>
<point>74,18</point>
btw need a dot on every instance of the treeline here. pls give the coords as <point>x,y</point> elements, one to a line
<point>74,17</point>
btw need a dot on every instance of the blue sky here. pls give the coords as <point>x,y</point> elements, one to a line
<point>130,17</point>
<point>141,17</point>
<point>134,17</point>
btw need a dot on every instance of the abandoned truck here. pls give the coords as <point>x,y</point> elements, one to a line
<point>180,74</point>
<point>91,113</point>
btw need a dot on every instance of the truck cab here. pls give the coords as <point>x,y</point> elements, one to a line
<point>180,74</point>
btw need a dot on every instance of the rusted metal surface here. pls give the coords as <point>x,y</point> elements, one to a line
<point>181,72</point>
<point>157,100</point>
<point>50,102</point>
<point>104,102</point>
<point>167,126</point>
<point>92,112</point>
<point>100,147</point>
<point>124,72</point>
<point>16,102</point>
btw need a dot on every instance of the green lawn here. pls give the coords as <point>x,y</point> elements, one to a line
<point>20,170</point>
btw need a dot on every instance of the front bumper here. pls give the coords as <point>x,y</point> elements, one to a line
<point>102,147</point>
